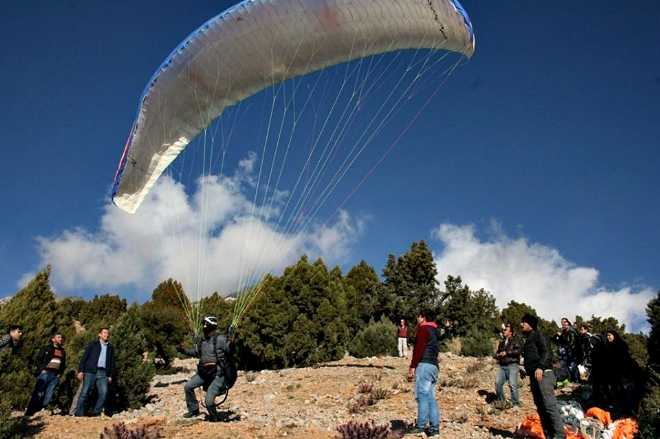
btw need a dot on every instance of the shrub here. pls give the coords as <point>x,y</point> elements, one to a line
<point>361,404</point>
<point>477,344</point>
<point>365,388</point>
<point>121,431</point>
<point>379,393</point>
<point>475,367</point>
<point>9,427</point>
<point>378,338</point>
<point>649,414</point>
<point>365,430</point>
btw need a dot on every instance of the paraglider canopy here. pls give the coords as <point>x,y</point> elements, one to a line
<point>256,44</point>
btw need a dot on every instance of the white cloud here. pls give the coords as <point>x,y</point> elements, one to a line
<point>210,240</point>
<point>516,269</point>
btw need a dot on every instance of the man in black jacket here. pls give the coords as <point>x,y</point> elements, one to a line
<point>508,357</point>
<point>50,366</point>
<point>215,371</point>
<point>566,341</point>
<point>538,365</point>
<point>96,367</point>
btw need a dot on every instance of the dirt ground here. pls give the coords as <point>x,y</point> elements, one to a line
<point>312,402</point>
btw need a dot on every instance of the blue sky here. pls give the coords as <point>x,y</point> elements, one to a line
<point>548,138</point>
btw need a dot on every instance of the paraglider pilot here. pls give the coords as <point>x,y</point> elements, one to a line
<point>215,371</point>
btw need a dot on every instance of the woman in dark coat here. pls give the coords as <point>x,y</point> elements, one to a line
<point>617,375</point>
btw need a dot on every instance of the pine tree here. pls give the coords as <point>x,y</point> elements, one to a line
<point>362,287</point>
<point>102,310</point>
<point>35,309</point>
<point>475,316</point>
<point>133,373</point>
<point>164,320</point>
<point>649,415</point>
<point>410,282</point>
<point>298,320</point>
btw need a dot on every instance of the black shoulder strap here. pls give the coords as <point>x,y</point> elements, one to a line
<point>215,348</point>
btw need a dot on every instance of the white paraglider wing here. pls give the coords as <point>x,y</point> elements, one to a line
<point>259,43</point>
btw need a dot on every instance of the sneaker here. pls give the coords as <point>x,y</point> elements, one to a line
<point>415,430</point>
<point>433,433</point>
<point>191,414</point>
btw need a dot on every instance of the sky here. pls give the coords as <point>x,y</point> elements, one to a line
<point>533,172</point>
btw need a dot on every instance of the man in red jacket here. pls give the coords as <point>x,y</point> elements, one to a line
<point>402,338</point>
<point>424,367</point>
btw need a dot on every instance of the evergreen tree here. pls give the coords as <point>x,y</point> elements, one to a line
<point>418,285</point>
<point>409,283</point>
<point>72,307</point>
<point>362,289</point>
<point>164,320</point>
<point>649,414</point>
<point>171,293</point>
<point>474,314</point>
<point>514,312</point>
<point>388,294</point>
<point>103,310</point>
<point>35,309</point>
<point>133,374</point>
<point>299,319</point>
<point>653,313</point>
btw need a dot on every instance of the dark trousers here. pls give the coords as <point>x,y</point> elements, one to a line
<point>546,404</point>
<point>43,392</point>
<point>217,386</point>
<point>98,379</point>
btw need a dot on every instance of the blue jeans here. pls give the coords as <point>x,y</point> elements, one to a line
<point>426,376</point>
<point>47,381</point>
<point>508,372</point>
<point>216,387</point>
<point>90,380</point>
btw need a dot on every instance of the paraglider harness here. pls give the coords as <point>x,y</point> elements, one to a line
<point>224,365</point>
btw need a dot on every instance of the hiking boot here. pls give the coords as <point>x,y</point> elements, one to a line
<point>192,414</point>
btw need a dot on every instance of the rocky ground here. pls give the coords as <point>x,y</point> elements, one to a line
<point>312,402</point>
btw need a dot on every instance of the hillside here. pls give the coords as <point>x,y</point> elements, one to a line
<point>311,402</point>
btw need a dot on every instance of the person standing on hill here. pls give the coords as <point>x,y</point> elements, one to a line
<point>96,367</point>
<point>51,365</point>
<point>566,341</point>
<point>538,365</point>
<point>424,367</point>
<point>402,337</point>
<point>586,344</point>
<point>508,357</point>
<point>216,371</point>
<point>12,339</point>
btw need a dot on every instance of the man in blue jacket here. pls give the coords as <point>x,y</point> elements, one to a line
<point>95,369</point>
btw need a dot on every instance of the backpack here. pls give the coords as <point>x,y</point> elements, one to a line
<point>227,366</point>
